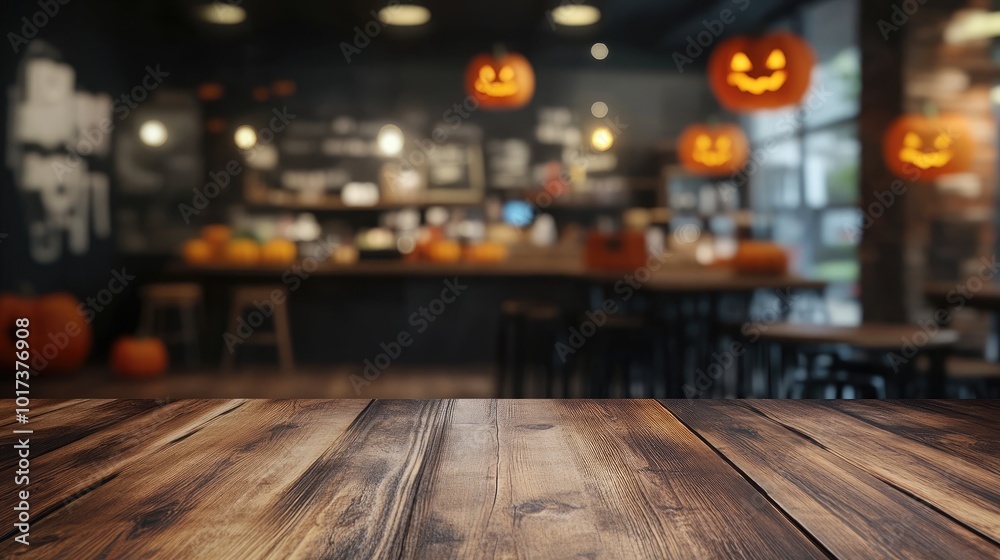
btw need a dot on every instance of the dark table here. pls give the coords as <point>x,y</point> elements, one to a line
<point>247,479</point>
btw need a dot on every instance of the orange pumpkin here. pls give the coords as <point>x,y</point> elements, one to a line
<point>197,252</point>
<point>486,253</point>
<point>217,236</point>
<point>59,335</point>
<point>705,149</point>
<point>210,91</point>
<point>245,252</point>
<point>760,257</point>
<point>139,358</point>
<point>925,147</point>
<point>500,82</point>
<point>278,251</point>
<point>444,251</point>
<point>283,88</point>
<point>753,73</point>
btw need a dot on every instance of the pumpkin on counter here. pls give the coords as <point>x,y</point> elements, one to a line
<point>760,257</point>
<point>217,235</point>
<point>444,251</point>
<point>60,336</point>
<point>139,358</point>
<point>244,252</point>
<point>486,253</point>
<point>278,251</point>
<point>197,252</point>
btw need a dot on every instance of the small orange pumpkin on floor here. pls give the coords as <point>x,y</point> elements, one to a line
<point>139,358</point>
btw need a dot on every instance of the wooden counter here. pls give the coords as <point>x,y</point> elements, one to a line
<point>668,279</point>
<point>628,479</point>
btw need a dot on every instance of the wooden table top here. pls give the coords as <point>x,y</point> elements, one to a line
<point>977,295</point>
<point>244,479</point>
<point>882,336</point>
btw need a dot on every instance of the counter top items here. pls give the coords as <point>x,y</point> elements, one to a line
<point>504,478</point>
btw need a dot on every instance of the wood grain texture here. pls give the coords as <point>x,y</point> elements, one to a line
<point>67,473</point>
<point>209,495</point>
<point>39,407</point>
<point>73,422</point>
<point>983,412</point>
<point>851,512</point>
<point>951,433</point>
<point>961,489</point>
<point>588,479</point>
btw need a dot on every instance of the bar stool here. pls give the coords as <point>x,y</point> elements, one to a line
<point>261,299</point>
<point>186,299</point>
<point>864,357</point>
<point>527,336</point>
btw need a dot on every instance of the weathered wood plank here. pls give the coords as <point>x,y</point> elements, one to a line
<point>952,433</point>
<point>588,479</point>
<point>984,412</point>
<point>71,423</point>
<point>65,474</point>
<point>211,494</point>
<point>37,407</point>
<point>851,512</point>
<point>964,490</point>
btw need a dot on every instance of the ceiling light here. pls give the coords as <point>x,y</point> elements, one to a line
<point>602,139</point>
<point>222,13</point>
<point>390,140</point>
<point>599,109</point>
<point>599,51</point>
<point>576,15</point>
<point>245,137</point>
<point>404,15</point>
<point>153,133</point>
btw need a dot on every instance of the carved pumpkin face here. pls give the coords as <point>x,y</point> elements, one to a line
<point>772,71</point>
<point>919,147</point>
<point>712,149</point>
<point>500,82</point>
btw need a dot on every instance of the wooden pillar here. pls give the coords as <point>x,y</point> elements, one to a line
<point>883,243</point>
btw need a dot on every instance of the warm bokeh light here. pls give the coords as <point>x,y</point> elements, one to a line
<point>576,15</point>
<point>153,133</point>
<point>390,140</point>
<point>599,109</point>
<point>599,51</point>
<point>245,137</point>
<point>602,139</point>
<point>222,13</point>
<point>404,15</point>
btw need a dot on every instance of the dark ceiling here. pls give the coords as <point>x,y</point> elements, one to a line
<point>283,33</point>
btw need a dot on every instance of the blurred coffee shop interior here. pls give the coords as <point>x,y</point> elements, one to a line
<point>620,198</point>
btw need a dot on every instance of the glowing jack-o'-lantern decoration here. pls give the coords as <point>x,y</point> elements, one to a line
<point>504,81</point>
<point>925,147</point>
<point>713,149</point>
<point>752,73</point>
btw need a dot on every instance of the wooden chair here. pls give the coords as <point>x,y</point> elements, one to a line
<point>280,337</point>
